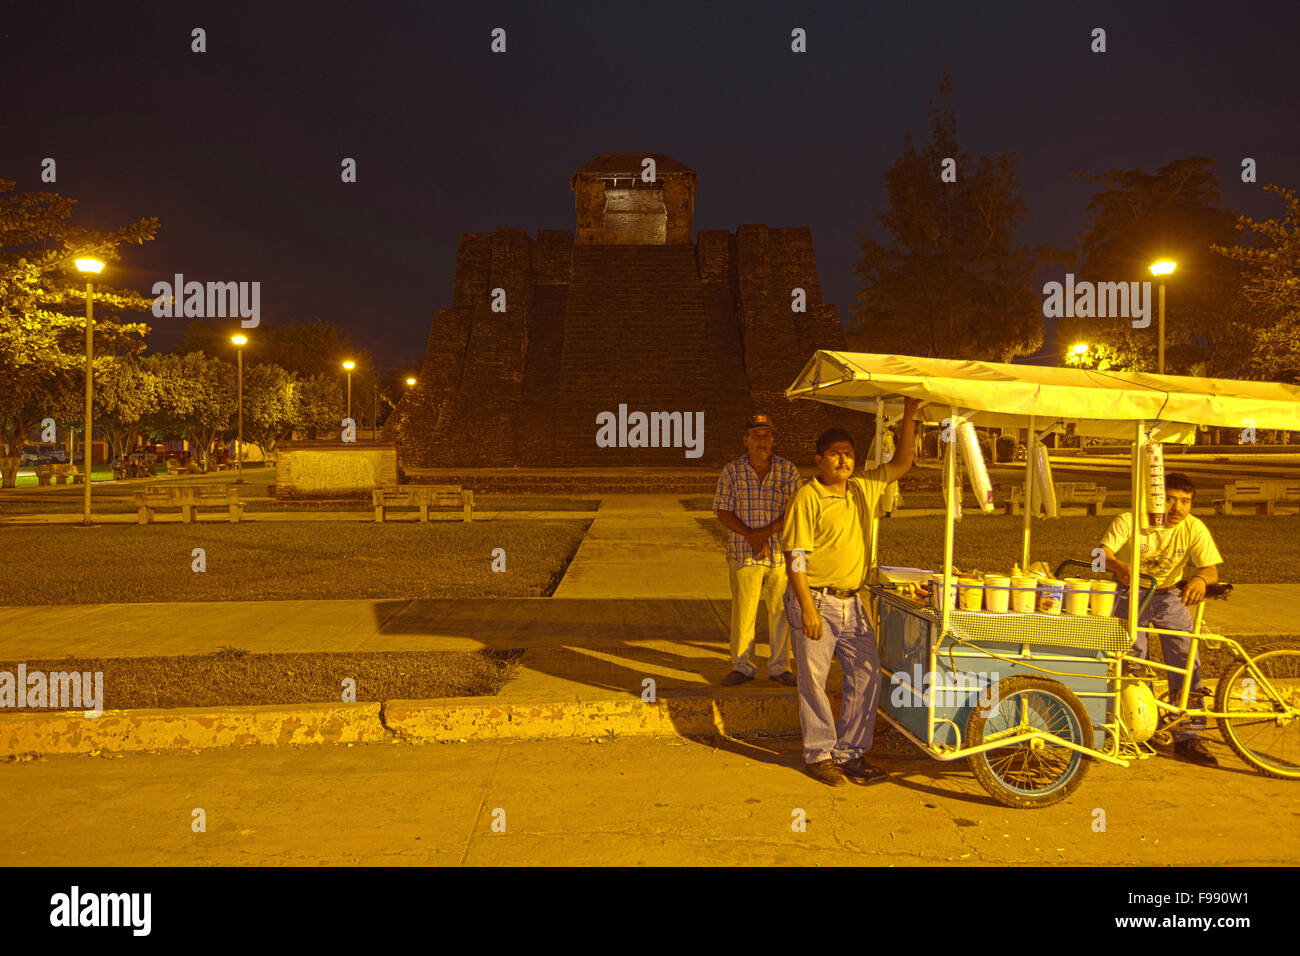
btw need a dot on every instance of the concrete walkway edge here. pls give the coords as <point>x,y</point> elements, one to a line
<point>417,721</point>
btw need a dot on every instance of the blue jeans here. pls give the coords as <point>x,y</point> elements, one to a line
<point>1167,611</point>
<point>846,635</point>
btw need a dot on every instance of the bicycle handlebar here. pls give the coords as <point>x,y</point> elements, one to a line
<point>1142,578</point>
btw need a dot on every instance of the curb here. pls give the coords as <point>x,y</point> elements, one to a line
<point>190,728</point>
<point>416,721</point>
<point>429,721</point>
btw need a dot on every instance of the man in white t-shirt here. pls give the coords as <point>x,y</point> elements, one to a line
<point>1165,553</point>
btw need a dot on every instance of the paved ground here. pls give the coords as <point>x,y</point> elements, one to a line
<point>574,647</point>
<point>619,616</point>
<point>645,546</point>
<point>627,801</point>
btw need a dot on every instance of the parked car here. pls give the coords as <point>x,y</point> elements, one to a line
<point>41,455</point>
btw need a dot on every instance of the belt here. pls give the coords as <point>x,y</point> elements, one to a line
<point>842,593</point>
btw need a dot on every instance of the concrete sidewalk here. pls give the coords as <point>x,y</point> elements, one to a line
<point>572,645</point>
<point>633,801</point>
<point>645,546</point>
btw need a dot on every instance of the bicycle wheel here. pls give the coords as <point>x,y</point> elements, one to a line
<point>1264,736</point>
<point>1031,773</point>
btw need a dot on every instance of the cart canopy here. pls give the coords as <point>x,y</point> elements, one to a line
<point>1098,404</point>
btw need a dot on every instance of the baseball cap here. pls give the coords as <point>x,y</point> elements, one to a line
<point>759,421</point>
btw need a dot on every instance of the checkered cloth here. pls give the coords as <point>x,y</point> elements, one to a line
<point>758,505</point>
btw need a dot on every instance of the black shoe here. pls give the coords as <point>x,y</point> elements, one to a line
<point>1193,751</point>
<point>786,678</point>
<point>862,773</point>
<point>736,677</point>
<point>827,772</point>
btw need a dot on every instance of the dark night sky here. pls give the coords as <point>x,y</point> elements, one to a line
<point>237,150</point>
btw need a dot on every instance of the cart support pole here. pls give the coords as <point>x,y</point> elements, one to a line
<point>878,453</point>
<point>950,482</point>
<point>1029,494</point>
<point>877,446</point>
<point>1134,554</point>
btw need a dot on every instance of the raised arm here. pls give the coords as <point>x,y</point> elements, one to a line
<point>905,450</point>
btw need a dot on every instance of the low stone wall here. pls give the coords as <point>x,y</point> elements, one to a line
<point>324,469</point>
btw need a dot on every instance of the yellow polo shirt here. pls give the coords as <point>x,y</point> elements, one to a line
<point>828,528</point>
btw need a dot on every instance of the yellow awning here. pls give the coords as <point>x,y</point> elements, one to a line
<point>1001,395</point>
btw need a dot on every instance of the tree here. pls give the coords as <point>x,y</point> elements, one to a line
<point>320,403</point>
<point>42,346</point>
<point>195,398</point>
<point>270,404</point>
<point>124,393</point>
<point>1139,218</point>
<point>1271,289</point>
<point>950,282</point>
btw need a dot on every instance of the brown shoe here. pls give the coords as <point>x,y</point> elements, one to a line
<point>1193,751</point>
<point>826,772</point>
<point>786,678</point>
<point>862,773</point>
<point>736,677</point>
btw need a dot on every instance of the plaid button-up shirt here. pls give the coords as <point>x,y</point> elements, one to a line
<point>756,503</point>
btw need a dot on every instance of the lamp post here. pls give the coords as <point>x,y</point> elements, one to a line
<point>349,365</point>
<point>1078,353</point>
<point>374,414</point>
<point>1163,268</point>
<point>89,267</point>
<point>240,341</point>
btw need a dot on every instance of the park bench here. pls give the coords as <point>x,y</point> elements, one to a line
<point>422,497</point>
<point>1260,495</point>
<point>44,473</point>
<point>65,474</point>
<point>188,498</point>
<point>1091,496</point>
<point>176,467</point>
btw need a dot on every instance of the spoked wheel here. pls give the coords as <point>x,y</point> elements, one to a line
<point>1030,773</point>
<point>1264,736</point>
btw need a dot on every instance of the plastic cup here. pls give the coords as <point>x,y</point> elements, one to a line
<point>936,592</point>
<point>1103,598</point>
<point>1075,598</point>
<point>1024,592</point>
<point>1049,596</point>
<point>997,593</point>
<point>971,593</point>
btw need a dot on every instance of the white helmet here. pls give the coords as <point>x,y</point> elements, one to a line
<point>1137,708</point>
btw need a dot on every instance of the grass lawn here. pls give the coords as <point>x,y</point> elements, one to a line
<point>69,564</point>
<point>233,677</point>
<point>1257,549</point>
<point>26,478</point>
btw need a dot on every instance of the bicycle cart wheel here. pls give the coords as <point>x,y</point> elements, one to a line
<point>1264,736</point>
<point>1031,773</point>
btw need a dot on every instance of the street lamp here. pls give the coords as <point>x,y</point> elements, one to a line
<point>349,365</point>
<point>89,267</point>
<point>1162,268</point>
<point>410,381</point>
<point>240,341</point>
<point>1078,353</point>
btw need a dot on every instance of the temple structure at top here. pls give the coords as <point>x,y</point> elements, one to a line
<point>545,334</point>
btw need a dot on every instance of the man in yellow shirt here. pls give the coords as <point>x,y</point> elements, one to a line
<point>826,546</point>
<point>1164,554</point>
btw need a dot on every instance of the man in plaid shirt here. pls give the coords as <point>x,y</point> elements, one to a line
<point>750,503</point>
